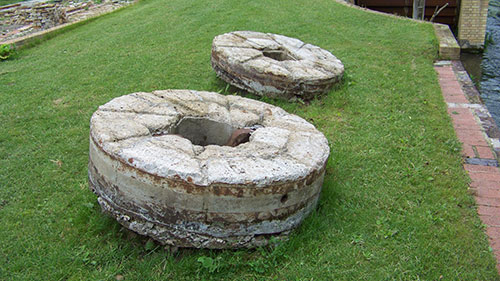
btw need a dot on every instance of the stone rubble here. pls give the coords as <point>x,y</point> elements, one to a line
<point>23,18</point>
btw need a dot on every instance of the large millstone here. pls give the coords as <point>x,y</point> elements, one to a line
<point>159,165</point>
<point>274,65</point>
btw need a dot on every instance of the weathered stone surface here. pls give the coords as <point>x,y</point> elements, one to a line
<point>448,45</point>
<point>274,65</point>
<point>19,21</point>
<point>159,165</point>
<point>38,15</point>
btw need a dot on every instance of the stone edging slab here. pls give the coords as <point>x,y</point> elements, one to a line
<point>448,45</point>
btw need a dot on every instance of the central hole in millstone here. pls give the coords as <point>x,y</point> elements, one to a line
<point>204,131</point>
<point>278,54</point>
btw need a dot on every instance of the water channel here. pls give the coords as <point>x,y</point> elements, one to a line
<point>484,68</point>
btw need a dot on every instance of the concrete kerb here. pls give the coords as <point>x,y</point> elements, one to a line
<point>33,39</point>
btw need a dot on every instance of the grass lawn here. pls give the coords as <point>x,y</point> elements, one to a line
<point>394,205</point>
<point>7,2</point>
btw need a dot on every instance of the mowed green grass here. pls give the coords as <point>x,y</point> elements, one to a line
<point>7,2</point>
<point>394,204</point>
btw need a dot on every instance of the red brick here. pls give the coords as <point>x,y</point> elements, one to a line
<point>449,83</point>
<point>493,232</point>
<point>485,184</point>
<point>485,180</point>
<point>488,211</point>
<point>496,253</point>
<point>491,221</point>
<point>447,80</point>
<point>455,99</point>
<point>450,96</point>
<point>446,73</point>
<point>480,169</point>
<point>464,121</point>
<point>466,133</point>
<point>492,202</point>
<point>452,91</point>
<point>488,193</point>
<point>495,244</point>
<point>483,177</point>
<point>485,152</point>
<point>446,76</point>
<point>461,115</point>
<point>459,111</point>
<point>442,67</point>
<point>467,151</point>
<point>451,88</point>
<point>465,124</point>
<point>472,137</point>
<point>444,70</point>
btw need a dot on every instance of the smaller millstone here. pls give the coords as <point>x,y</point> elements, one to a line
<point>274,65</point>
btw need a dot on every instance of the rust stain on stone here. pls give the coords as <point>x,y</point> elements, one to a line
<point>180,207</point>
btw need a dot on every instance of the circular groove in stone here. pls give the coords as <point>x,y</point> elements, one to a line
<point>188,190</point>
<point>274,65</point>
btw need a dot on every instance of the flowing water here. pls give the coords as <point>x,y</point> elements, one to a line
<point>486,73</point>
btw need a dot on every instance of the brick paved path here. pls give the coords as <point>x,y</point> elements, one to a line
<point>480,161</point>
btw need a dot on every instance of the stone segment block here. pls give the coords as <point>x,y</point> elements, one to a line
<point>448,46</point>
<point>183,187</point>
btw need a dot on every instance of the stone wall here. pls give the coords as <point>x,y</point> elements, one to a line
<point>41,15</point>
<point>472,23</point>
<point>18,21</point>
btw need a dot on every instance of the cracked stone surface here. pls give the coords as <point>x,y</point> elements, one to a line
<point>159,166</point>
<point>274,65</point>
